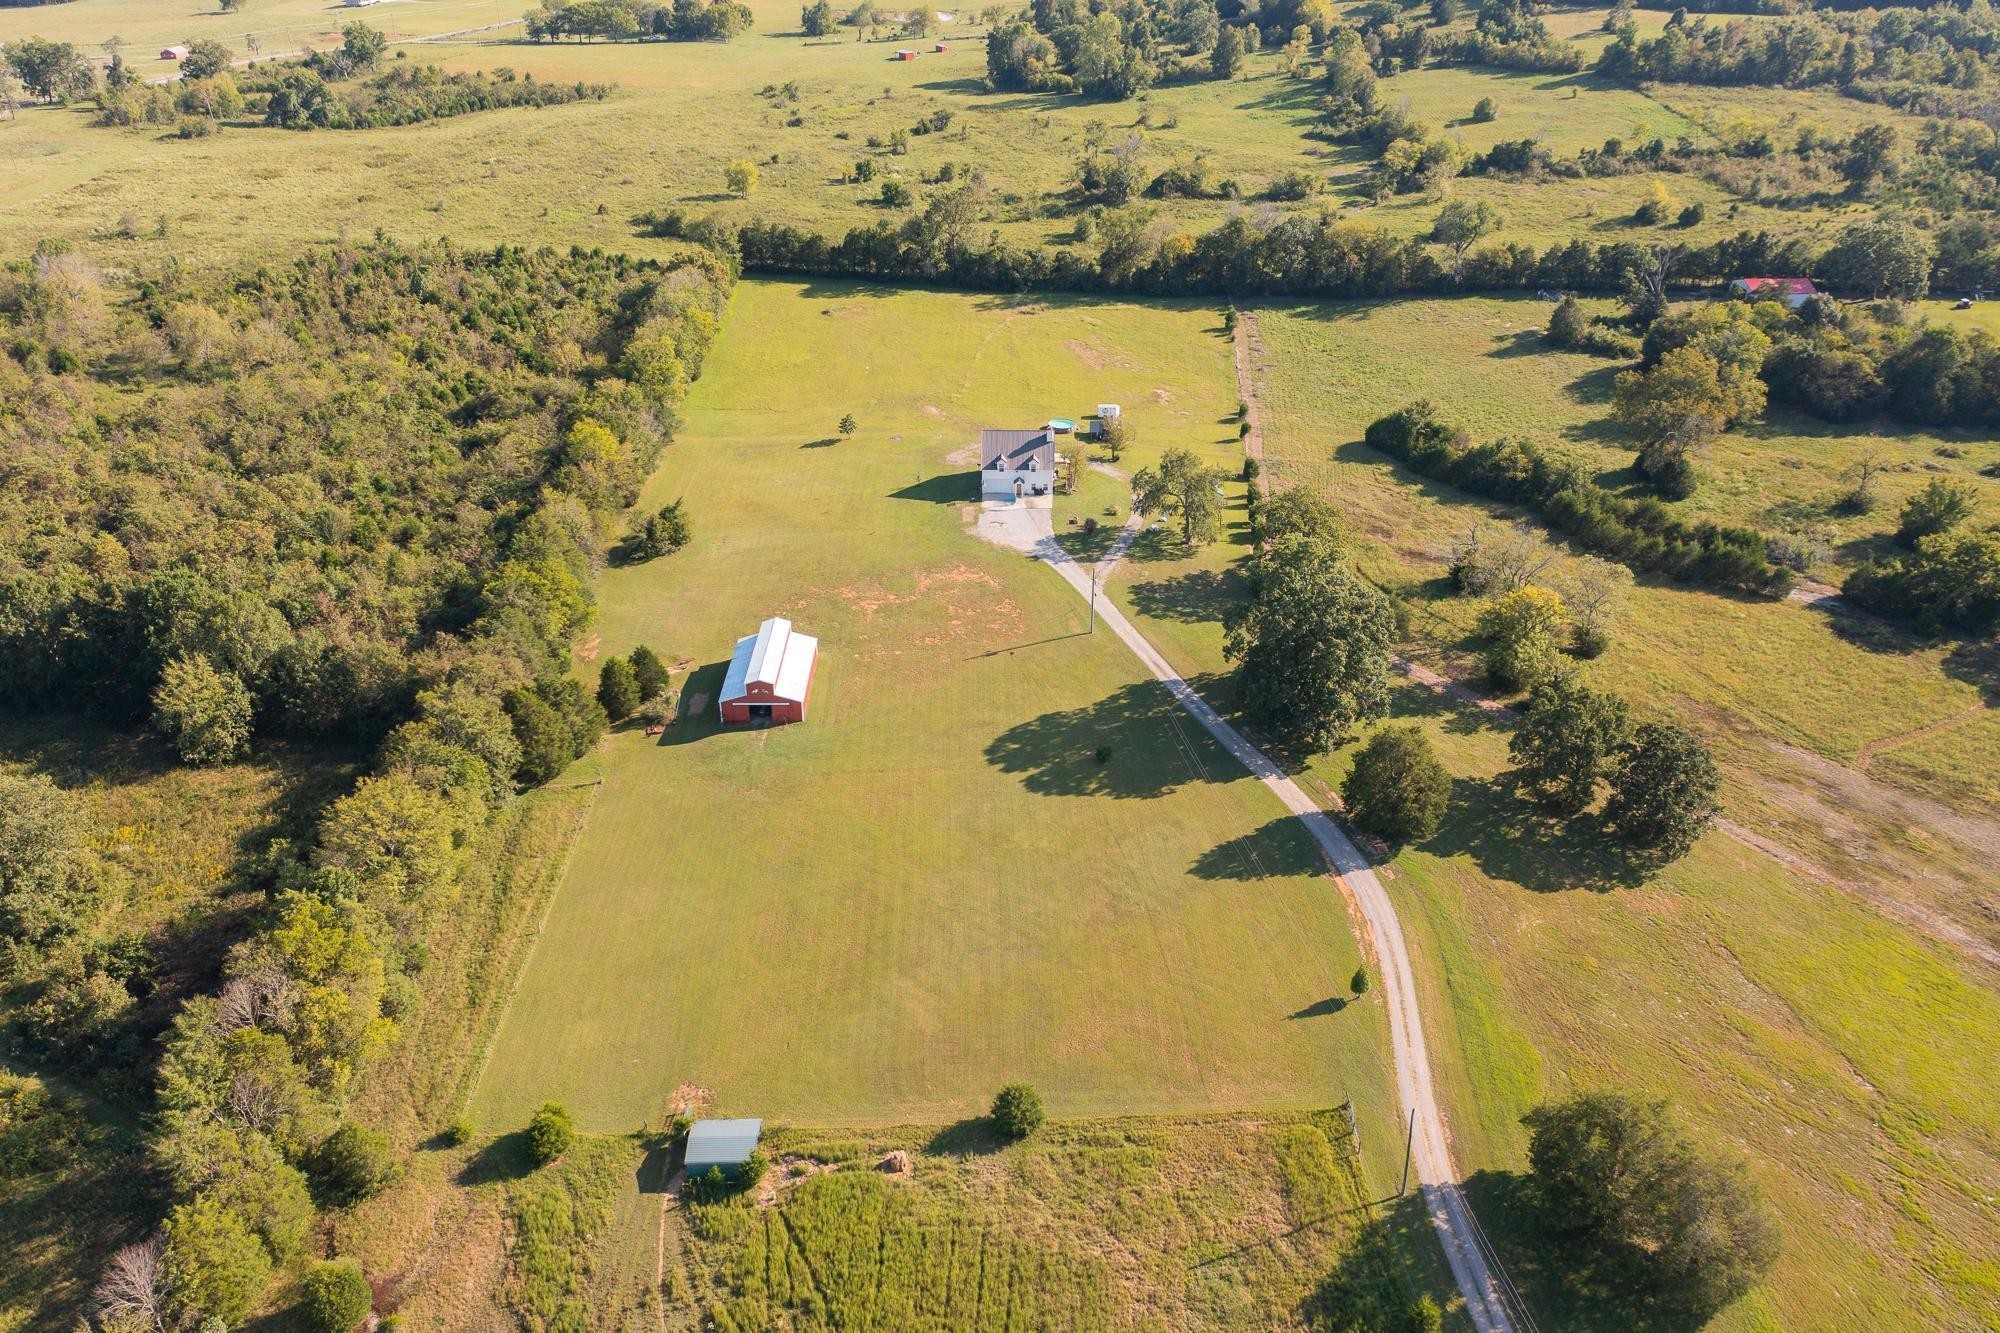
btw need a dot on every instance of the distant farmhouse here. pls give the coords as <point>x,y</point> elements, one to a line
<point>1794,292</point>
<point>770,675</point>
<point>1014,464</point>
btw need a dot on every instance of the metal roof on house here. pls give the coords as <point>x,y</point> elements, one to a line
<point>776,656</point>
<point>1016,447</point>
<point>1780,286</point>
<point>720,1143</point>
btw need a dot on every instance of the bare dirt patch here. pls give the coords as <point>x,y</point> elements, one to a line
<point>587,650</point>
<point>689,1099</point>
<point>1087,354</point>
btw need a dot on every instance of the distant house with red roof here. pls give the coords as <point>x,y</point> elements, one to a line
<point>1794,292</point>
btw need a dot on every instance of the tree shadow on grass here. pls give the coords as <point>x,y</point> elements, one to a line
<point>1509,838</point>
<point>944,488</point>
<point>974,1136</point>
<point>1568,1285</point>
<point>695,714</point>
<point>1202,596</point>
<point>1331,1005</point>
<point>1521,342</point>
<point>1156,542</point>
<point>505,1158</point>
<point>827,443</point>
<point>1148,747</point>
<point>1389,1262</point>
<point>1281,847</point>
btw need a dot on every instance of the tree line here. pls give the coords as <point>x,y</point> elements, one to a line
<point>639,20</point>
<point>1642,533</point>
<point>1144,252</point>
<point>372,493</point>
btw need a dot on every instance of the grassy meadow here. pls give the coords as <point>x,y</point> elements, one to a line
<point>1777,1010</point>
<point>802,109</point>
<point>934,885</point>
<point>1119,1223</point>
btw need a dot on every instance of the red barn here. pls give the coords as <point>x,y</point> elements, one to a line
<point>770,675</point>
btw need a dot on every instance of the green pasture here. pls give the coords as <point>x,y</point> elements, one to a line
<point>1353,362</point>
<point>1790,1020</point>
<point>802,109</point>
<point>1562,112</point>
<point>279,26</point>
<point>933,885</point>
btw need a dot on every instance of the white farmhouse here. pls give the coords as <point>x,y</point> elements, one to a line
<point>1016,464</point>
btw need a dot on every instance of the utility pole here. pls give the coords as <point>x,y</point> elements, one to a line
<point>1409,1144</point>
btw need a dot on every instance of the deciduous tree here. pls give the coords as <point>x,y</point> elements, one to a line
<point>1615,1175</point>
<point>1664,793</point>
<point>1017,1110</point>
<point>205,714</point>
<point>1566,741</point>
<point>550,1133</point>
<point>1183,486</point>
<point>1523,631</point>
<point>1313,645</point>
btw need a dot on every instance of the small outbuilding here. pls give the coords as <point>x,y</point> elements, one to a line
<point>904,53</point>
<point>770,675</point>
<point>1794,292</point>
<point>721,1145</point>
<point>174,53</point>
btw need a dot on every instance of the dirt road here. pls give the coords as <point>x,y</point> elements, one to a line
<point>1487,1305</point>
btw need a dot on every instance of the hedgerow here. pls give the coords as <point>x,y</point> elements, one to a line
<point>1642,533</point>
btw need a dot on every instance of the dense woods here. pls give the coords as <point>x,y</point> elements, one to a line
<point>365,493</point>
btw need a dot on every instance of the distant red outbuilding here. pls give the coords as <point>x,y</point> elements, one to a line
<point>770,675</point>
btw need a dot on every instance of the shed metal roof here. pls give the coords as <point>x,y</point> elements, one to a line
<point>775,656</point>
<point>721,1143</point>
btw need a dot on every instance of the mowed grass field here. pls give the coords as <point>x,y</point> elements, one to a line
<point>1828,1033</point>
<point>578,174</point>
<point>279,26</point>
<point>933,886</point>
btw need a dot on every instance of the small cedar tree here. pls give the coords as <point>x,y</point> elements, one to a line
<point>334,1297</point>
<point>1017,1110</point>
<point>650,672</point>
<point>618,688</point>
<point>550,1133</point>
